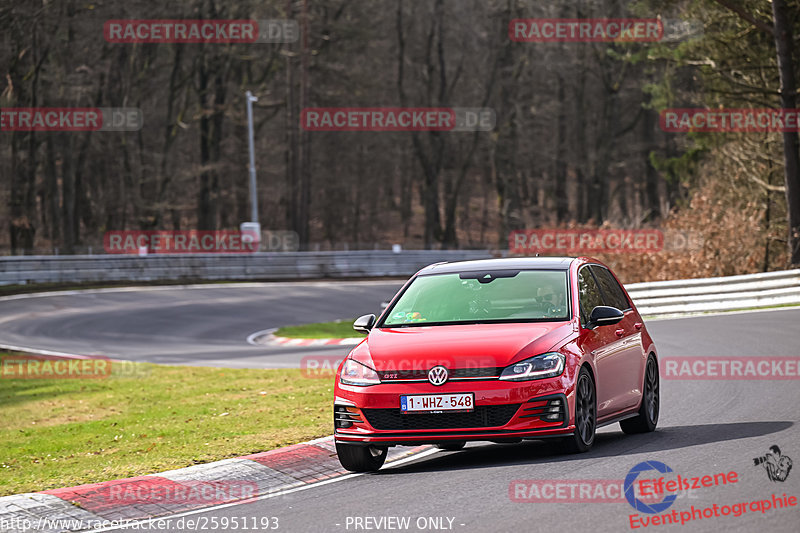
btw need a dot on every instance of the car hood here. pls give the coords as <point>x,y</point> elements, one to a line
<point>461,346</point>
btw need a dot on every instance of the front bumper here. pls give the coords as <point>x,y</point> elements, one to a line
<point>504,410</point>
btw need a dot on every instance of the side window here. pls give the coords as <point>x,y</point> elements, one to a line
<point>612,292</point>
<point>588,293</point>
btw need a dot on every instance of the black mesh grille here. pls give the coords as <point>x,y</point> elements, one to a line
<point>455,373</point>
<point>482,416</point>
<point>475,372</point>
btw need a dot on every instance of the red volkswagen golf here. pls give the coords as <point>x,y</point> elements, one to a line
<point>497,350</point>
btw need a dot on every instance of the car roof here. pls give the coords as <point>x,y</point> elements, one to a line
<point>505,263</point>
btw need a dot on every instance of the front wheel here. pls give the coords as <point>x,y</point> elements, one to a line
<point>361,458</point>
<point>585,414</point>
<point>646,420</point>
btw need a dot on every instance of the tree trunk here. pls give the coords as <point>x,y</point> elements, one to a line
<point>652,198</point>
<point>560,170</point>
<point>292,117</point>
<point>51,203</point>
<point>304,155</point>
<point>791,152</point>
<point>68,194</point>
<point>205,217</point>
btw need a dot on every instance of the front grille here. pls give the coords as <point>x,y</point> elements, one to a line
<point>456,373</point>
<point>475,372</point>
<point>482,416</point>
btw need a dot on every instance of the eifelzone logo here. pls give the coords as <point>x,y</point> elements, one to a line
<point>777,466</point>
<point>636,502</point>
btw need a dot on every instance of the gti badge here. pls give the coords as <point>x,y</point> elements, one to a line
<point>437,375</point>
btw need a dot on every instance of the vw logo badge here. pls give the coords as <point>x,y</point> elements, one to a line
<point>437,375</point>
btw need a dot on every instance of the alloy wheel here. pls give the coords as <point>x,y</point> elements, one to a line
<point>585,409</point>
<point>651,390</point>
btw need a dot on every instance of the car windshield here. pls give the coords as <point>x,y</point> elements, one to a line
<point>488,296</point>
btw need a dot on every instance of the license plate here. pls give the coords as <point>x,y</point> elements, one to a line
<point>434,403</point>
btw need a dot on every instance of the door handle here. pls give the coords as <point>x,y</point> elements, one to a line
<point>638,325</point>
<point>620,332</point>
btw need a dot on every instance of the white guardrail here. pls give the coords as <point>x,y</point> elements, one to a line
<point>652,299</point>
<point>687,296</point>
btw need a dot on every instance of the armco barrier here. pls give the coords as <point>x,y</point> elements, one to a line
<point>653,298</point>
<point>716,294</point>
<point>21,270</point>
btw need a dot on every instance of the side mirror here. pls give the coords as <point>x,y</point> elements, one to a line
<point>603,315</point>
<point>364,323</point>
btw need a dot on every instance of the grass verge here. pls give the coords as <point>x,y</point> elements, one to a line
<point>338,329</point>
<point>147,418</point>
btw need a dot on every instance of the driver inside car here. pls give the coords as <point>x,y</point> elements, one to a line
<point>552,300</point>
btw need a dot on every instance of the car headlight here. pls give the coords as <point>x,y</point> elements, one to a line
<point>547,365</point>
<point>355,373</point>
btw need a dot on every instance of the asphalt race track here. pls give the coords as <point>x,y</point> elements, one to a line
<point>706,427</point>
<point>201,325</point>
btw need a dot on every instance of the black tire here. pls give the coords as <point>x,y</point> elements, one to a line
<point>647,419</point>
<point>452,446</point>
<point>585,414</point>
<point>361,458</point>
